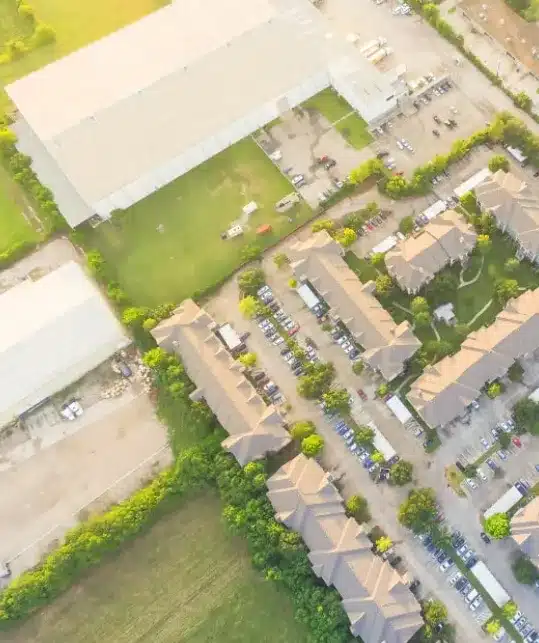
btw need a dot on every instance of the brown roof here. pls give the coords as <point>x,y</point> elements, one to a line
<point>387,345</point>
<point>514,205</point>
<point>445,390</point>
<point>379,605</point>
<point>254,428</point>
<point>525,530</point>
<point>416,259</point>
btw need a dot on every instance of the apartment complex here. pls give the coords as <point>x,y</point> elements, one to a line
<point>387,346</point>
<point>525,530</point>
<point>516,209</point>
<point>447,388</point>
<point>416,260</point>
<point>379,605</point>
<point>254,428</point>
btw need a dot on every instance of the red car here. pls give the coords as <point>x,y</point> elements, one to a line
<point>517,442</point>
<point>362,394</point>
<point>293,330</point>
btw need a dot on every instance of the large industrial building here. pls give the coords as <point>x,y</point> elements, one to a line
<point>53,331</point>
<point>115,121</point>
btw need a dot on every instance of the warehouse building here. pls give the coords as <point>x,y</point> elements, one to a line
<point>115,121</point>
<point>380,607</point>
<point>53,331</point>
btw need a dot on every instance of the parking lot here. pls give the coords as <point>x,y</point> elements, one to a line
<point>299,141</point>
<point>59,470</point>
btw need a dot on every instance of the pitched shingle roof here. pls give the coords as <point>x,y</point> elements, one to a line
<point>416,259</point>
<point>525,530</point>
<point>445,389</point>
<point>514,205</point>
<point>387,345</point>
<point>379,605</point>
<point>254,428</point>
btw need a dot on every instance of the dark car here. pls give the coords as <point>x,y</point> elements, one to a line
<point>485,538</point>
<point>492,464</point>
<point>459,542</point>
<point>536,174</point>
<point>471,562</point>
<point>521,488</point>
<point>299,371</point>
<point>459,466</point>
<point>259,376</point>
<point>382,153</point>
<point>460,584</point>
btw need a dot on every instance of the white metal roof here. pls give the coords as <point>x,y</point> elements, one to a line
<point>489,582</point>
<point>398,409</point>
<point>52,332</point>
<point>130,105</point>
<point>472,182</point>
<point>504,503</point>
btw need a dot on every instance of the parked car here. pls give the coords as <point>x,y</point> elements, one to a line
<point>522,488</point>
<point>446,565</point>
<point>492,464</point>
<point>362,394</point>
<point>485,538</point>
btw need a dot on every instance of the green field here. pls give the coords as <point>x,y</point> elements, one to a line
<point>336,110</point>
<point>14,228</point>
<point>187,254</point>
<point>185,580</point>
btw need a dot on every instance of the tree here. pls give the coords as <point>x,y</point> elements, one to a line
<point>407,225</point>
<point>504,440</point>
<point>435,612</point>
<point>523,101</point>
<point>301,430</point>
<point>384,284</point>
<point>281,260</point>
<point>469,203</point>
<point>382,390</point>
<point>401,473</point>
<point>250,281</point>
<point>484,243</point>
<point>7,141</point>
<point>248,359</point>
<point>317,380</point>
<point>293,283</point>
<point>509,609</point>
<point>422,320</point>
<point>525,571</point>
<point>149,324</point>
<point>134,316</point>
<point>419,305</point>
<point>493,626</point>
<point>358,508</point>
<point>43,35</point>
<point>383,544</point>
<point>312,445</point>
<point>355,221</point>
<point>249,306</point>
<point>443,285</point>
<point>498,162</point>
<point>512,265</point>
<point>494,390</point>
<point>515,372</point>
<point>377,457</point>
<point>505,289</point>
<point>358,367</point>
<point>497,526</point>
<point>526,415</point>
<point>378,260</point>
<point>419,511</point>
<point>364,435</point>
<point>324,224</point>
<point>346,237</point>
<point>337,400</point>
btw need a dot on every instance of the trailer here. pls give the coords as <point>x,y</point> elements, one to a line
<point>379,55</point>
<point>505,502</point>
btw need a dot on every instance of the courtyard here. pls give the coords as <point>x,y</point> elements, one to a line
<point>169,246</point>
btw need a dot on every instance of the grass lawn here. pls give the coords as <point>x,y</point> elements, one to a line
<point>335,108</point>
<point>188,255</point>
<point>186,580</point>
<point>14,228</point>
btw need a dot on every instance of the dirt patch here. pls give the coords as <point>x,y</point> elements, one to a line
<point>512,32</point>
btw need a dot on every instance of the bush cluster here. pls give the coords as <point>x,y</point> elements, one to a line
<point>40,34</point>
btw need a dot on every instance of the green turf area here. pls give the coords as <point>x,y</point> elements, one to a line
<point>334,108</point>
<point>186,580</point>
<point>187,254</point>
<point>76,24</point>
<point>14,228</point>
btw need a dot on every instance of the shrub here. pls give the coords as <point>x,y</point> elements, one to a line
<point>15,49</point>
<point>346,237</point>
<point>293,283</point>
<point>26,11</point>
<point>406,225</point>
<point>302,430</point>
<point>43,35</point>
<point>7,142</point>
<point>498,526</point>
<point>312,445</point>
<point>357,507</point>
<point>149,324</point>
<point>498,162</point>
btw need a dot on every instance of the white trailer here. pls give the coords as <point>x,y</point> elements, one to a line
<point>380,55</point>
<point>506,502</point>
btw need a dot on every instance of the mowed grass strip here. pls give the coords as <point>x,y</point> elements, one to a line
<point>169,245</point>
<point>14,228</point>
<point>186,580</point>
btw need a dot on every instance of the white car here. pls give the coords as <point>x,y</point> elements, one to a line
<point>471,483</point>
<point>475,604</point>
<point>399,144</point>
<point>446,565</point>
<point>482,475</point>
<point>516,617</point>
<point>456,577</point>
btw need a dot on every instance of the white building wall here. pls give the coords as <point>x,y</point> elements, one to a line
<point>236,131</point>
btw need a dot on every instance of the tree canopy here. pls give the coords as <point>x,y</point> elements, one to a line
<point>316,380</point>
<point>419,510</point>
<point>248,359</point>
<point>358,508</point>
<point>312,445</point>
<point>434,612</point>
<point>364,435</point>
<point>248,306</point>
<point>525,571</point>
<point>346,237</point>
<point>337,400</point>
<point>250,281</point>
<point>505,289</point>
<point>302,429</point>
<point>484,243</point>
<point>401,472</point>
<point>383,544</point>
<point>498,162</point>
<point>526,415</point>
<point>497,526</point>
<point>384,284</point>
<point>406,225</point>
